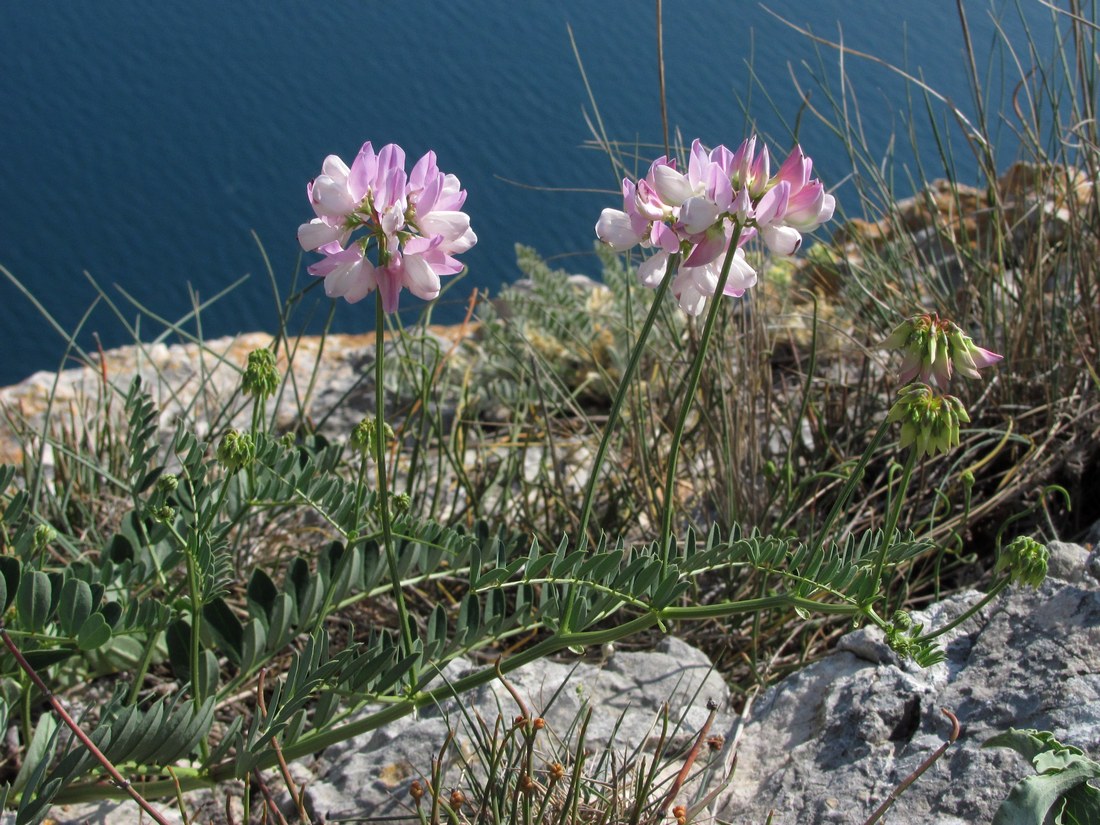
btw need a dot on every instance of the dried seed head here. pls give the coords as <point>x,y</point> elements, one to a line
<point>458,799</point>
<point>556,771</point>
<point>539,723</point>
<point>416,790</point>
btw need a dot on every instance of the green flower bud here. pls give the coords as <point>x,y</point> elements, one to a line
<point>167,483</point>
<point>1024,560</point>
<point>236,451</point>
<point>770,470</point>
<point>362,437</point>
<point>930,422</point>
<point>163,513</point>
<point>43,535</point>
<point>261,377</point>
<point>401,503</point>
<point>967,479</point>
<point>901,620</point>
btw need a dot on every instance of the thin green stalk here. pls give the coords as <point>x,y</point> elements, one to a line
<point>850,486</point>
<point>407,642</point>
<point>196,618</point>
<point>319,740</point>
<point>895,511</point>
<point>994,591</point>
<point>621,393</point>
<point>689,393</point>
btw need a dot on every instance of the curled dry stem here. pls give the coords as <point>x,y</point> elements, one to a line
<point>915,775</point>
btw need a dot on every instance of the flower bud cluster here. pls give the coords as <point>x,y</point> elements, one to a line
<point>363,436</point>
<point>696,215</point>
<point>934,348</point>
<point>236,451</point>
<point>929,421</point>
<point>261,376</point>
<point>1025,561</point>
<point>412,220</point>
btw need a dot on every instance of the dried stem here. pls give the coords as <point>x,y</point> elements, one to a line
<point>120,781</point>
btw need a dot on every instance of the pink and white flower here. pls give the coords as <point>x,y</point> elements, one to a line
<point>413,221</point>
<point>695,215</point>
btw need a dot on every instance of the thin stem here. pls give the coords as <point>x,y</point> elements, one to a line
<point>661,74</point>
<point>59,709</point>
<point>621,393</point>
<point>692,386</point>
<point>850,486</point>
<point>895,512</point>
<point>994,591</point>
<point>407,642</point>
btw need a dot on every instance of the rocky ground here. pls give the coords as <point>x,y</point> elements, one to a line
<point>825,745</point>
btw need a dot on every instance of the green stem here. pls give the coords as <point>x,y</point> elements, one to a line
<point>407,641</point>
<point>853,479</point>
<point>193,585</point>
<point>986,599</point>
<point>895,512</point>
<point>560,641</point>
<point>621,393</point>
<point>689,393</point>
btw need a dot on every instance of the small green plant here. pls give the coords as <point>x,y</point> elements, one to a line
<point>248,592</point>
<point>1065,789</point>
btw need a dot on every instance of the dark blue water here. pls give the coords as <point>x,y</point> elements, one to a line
<point>141,144</point>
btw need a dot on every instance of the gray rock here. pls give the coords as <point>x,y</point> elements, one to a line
<point>829,744</point>
<point>1067,561</point>
<point>370,775</point>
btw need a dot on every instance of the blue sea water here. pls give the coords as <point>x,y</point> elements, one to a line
<point>142,144</point>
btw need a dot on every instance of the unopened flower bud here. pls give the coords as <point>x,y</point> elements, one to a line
<point>236,451</point>
<point>43,535</point>
<point>163,513</point>
<point>967,479</point>
<point>362,437</point>
<point>1025,561</point>
<point>901,620</point>
<point>928,421</point>
<point>167,483</point>
<point>261,377</point>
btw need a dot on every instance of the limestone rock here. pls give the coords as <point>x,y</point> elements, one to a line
<point>828,744</point>
<point>370,774</point>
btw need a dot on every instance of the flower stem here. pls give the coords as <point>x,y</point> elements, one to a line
<point>689,392</point>
<point>895,512</point>
<point>621,393</point>
<point>994,591</point>
<point>407,642</point>
<point>850,486</point>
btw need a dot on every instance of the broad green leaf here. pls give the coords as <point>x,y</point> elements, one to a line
<point>75,606</point>
<point>10,572</point>
<point>42,659</point>
<point>93,633</point>
<point>33,600</point>
<point>260,596</point>
<point>40,748</point>
<point>1031,799</point>
<point>253,645</point>
<point>225,627</point>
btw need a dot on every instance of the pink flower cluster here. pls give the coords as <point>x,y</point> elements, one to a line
<point>414,221</point>
<point>696,214</point>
